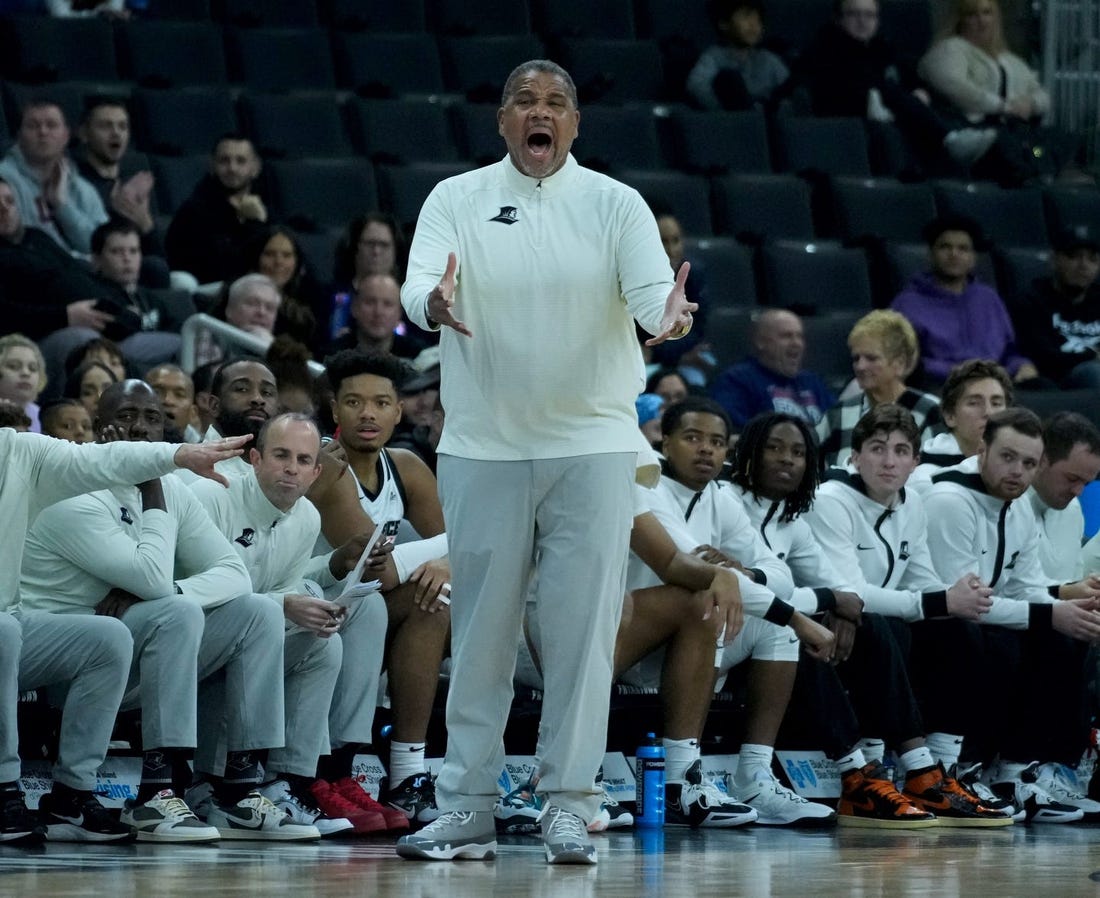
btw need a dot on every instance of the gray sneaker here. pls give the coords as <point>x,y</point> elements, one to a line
<point>565,838</point>
<point>454,835</point>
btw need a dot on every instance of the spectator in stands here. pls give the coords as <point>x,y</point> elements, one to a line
<point>100,350</point>
<point>251,304</point>
<point>56,300</point>
<point>972,392</point>
<point>146,322</point>
<point>884,351</point>
<point>982,82</point>
<point>176,391</point>
<point>13,416</point>
<point>736,73</point>
<point>850,70</point>
<point>87,384</point>
<point>971,66</point>
<point>377,319</point>
<point>956,317</point>
<point>22,375</point>
<point>42,286</point>
<point>1058,318</point>
<point>371,244</point>
<point>124,185</point>
<point>669,384</point>
<point>51,194</point>
<point>773,379</point>
<point>275,252</point>
<point>67,419</point>
<point>210,230</point>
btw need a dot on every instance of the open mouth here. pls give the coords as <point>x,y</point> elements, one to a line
<point>539,143</point>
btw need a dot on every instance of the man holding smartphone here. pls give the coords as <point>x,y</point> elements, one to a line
<point>383,487</point>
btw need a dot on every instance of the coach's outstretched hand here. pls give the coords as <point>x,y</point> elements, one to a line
<point>442,299</point>
<point>677,318</point>
<point>201,457</point>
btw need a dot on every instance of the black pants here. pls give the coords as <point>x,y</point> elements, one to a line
<point>1038,683</point>
<point>867,695</point>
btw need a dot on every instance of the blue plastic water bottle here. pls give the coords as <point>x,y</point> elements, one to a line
<point>649,782</point>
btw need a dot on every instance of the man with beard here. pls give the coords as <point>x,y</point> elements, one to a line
<point>243,395</point>
<point>1033,683</point>
<point>149,555</point>
<point>214,224</point>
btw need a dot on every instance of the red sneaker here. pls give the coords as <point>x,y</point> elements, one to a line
<point>350,789</point>
<point>334,804</point>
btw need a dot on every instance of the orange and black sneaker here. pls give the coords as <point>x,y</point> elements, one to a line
<point>931,789</point>
<point>868,798</point>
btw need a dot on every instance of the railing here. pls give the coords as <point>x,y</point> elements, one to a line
<point>1071,67</point>
<point>226,334</point>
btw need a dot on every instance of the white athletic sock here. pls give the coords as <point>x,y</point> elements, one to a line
<point>916,759</point>
<point>854,760</point>
<point>680,754</point>
<point>750,759</point>
<point>873,749</point>
<point>945,748</point>
<point>406,759</point>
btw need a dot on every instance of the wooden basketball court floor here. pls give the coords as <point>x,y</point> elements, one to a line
<point>756,862</point>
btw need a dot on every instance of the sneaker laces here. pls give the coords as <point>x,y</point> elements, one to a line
<point>302,804</point>
<point>707,794</point>
<point>567,827</point>
<point>174,808</point>
<point>951,786</point>
<point>448,818</point>
<point>887,790</point>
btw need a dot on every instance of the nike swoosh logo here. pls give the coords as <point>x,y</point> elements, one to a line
<point>864,548</point>
<point>793,639</point>
<point>75,821</point>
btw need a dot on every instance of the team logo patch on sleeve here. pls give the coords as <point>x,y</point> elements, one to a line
<point>247,537</point>
<point>508,215</point>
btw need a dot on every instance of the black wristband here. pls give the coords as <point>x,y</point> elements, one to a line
<point>934,604</point>
<point>1040,616</point>
<point>826,598</point>
<point>779,613</point>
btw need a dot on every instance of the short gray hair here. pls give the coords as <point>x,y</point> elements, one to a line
<point>242,285</point>
<point>538,65</point>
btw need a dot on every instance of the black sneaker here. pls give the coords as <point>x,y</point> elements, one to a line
<point>86,821</point>
<point>414,796</point>
<point>18,825</point>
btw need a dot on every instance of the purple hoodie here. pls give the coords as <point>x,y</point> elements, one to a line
<point>955,327</point>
